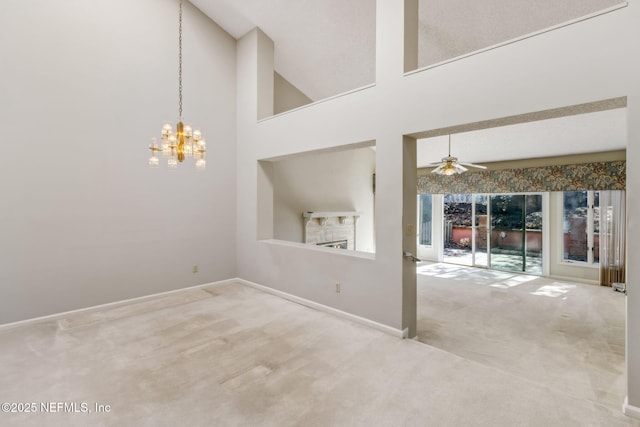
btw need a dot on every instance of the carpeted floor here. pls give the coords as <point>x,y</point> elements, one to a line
<point>232,355</point>
<point>567,336</point>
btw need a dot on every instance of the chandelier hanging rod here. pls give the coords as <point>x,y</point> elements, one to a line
<point>180,62</point>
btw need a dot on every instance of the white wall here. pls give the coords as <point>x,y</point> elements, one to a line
<point>84,85</point>
<point>588,61</point>
<point>332,181</point>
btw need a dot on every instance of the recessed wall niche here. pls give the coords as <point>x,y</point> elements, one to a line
<point>321,198</point>
<point>446,30</point>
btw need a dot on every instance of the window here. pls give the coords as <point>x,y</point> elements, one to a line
<point>425,227</point>
<point>581,226</point>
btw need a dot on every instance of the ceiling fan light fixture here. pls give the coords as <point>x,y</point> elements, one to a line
<point>450,166</point>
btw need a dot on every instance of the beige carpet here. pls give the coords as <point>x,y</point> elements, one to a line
<point>234,356</point>
<point>568,336</point>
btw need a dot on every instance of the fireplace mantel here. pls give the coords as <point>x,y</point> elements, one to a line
<point>322,217</point>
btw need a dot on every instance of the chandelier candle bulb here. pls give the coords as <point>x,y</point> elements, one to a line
<point>154,161</point>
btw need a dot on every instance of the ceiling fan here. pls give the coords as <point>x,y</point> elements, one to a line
<point>450,165</point>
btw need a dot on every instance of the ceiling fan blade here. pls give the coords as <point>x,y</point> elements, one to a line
<point>472,165</point>
<point>438,169</point>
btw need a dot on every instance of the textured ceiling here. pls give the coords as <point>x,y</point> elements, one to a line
<point>323,47</point>
<point>326,47</point>
<point>583,133</point>
<point>450,28</point>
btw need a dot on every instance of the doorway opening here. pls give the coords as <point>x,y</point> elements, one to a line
<point>496,231</point>
<point>542,325</point>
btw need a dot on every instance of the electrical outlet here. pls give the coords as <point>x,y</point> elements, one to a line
<point>409,231</point>
<point>194,269</point>
<point>338,288</point>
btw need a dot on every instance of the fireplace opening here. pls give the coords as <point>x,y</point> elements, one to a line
<point>338,244</point>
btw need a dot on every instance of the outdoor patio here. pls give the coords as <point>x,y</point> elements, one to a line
<point>504,262</point>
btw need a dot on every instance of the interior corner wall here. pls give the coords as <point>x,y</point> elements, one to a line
<point>332,181</point>
<point>84,220</point>
<point>265,201</point>
<point>266,74</point>
<point>286,96</point>
<point>411,34</point>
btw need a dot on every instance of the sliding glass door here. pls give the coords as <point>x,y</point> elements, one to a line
<point>516,232</point>
<point>507,232</point>
<point>466,229</point>
<point>481,230</point>
<point>458,230</point>
<point>498,231</point>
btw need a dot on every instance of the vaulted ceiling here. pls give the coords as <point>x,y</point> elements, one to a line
<point>326,47</point>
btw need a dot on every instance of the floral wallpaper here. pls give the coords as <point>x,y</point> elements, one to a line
<point>584,176</point>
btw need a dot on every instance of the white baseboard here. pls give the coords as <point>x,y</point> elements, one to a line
<point>574,279</point>
<point>321,307</point>
<point>630,410</point>
<point>114,304</point>
<point>324,308</point>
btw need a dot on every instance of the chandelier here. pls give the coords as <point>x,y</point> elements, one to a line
<point>182,142</point>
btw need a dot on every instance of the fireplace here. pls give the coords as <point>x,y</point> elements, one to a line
<point>331,229</point>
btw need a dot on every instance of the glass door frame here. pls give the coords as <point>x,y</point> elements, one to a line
<point>474,230</point>
<point>489,230</point>
<point>544,233</point>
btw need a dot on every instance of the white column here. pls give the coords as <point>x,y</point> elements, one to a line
<point>409,245</point>
<point>632,406</point>
<point>396,38</point>
<point>265,53</point>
